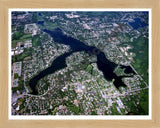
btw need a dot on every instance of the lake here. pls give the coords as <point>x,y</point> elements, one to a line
<point>137,23</point>
<point>103,64</point>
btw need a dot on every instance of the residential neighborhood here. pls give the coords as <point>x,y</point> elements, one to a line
<point>79,63</point>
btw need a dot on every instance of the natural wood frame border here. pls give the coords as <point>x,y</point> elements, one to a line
<point>4,9</point>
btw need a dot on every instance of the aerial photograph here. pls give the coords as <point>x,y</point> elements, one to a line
<point>79,63</point>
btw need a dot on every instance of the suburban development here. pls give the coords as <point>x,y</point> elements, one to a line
<point>79,63</point>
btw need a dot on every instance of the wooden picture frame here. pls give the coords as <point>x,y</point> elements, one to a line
<point>4,38</point>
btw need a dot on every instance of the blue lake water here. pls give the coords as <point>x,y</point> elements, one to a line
<point>137,23</point>
<point>39,14</point>
<point>41,23</point>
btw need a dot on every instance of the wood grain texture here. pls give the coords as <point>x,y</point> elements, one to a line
<point>6,4</point>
